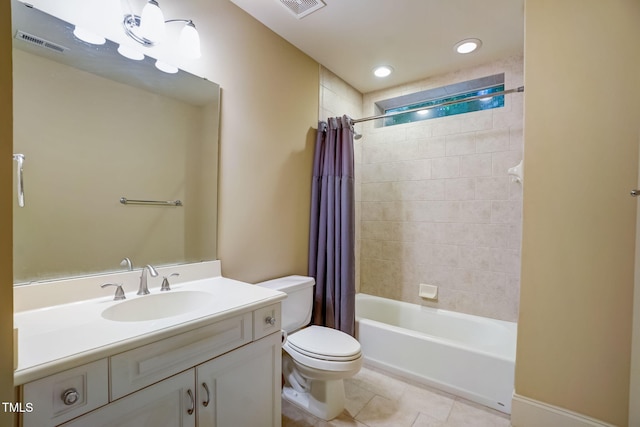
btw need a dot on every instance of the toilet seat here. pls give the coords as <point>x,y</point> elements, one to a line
<point>325,349</point>
<point>324,343</point>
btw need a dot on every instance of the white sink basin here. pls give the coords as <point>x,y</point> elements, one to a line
<point>158,306</point>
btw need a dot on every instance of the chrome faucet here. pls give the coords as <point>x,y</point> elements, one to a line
<point>119,291</point>
<point>144,290</point>
<point>127,262</point>
<point>165,282</point>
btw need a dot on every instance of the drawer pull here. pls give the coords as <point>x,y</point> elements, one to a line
<point>70,396</point>
<point>205,402</point>
<point>270,320</point>
<point>193,403</point>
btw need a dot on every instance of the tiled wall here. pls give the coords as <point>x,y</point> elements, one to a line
<point>434,203</point>
<point>437,206</point>
<point>336,99</point>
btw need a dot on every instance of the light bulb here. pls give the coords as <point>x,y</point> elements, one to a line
<point>167,68</point>
<point>152,22</point>
<point>130,53</point>
<point>190,41</point>
<point>88,36</point>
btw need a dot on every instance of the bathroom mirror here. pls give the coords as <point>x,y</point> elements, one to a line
<point>95,127</point>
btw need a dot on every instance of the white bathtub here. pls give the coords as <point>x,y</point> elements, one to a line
<point>470,356</point>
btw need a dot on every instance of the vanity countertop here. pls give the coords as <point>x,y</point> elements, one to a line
<point>55,338</point>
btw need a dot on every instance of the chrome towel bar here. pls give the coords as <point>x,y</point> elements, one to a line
<point>126,201</point>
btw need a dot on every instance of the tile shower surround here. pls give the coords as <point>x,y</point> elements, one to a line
<point>434,203</point>
<point>437,206</point>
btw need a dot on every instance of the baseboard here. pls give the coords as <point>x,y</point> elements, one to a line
<point>526,412</point>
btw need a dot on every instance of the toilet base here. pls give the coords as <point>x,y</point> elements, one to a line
<point>325,399</point>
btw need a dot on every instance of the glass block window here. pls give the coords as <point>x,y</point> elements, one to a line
<point>435,97</point>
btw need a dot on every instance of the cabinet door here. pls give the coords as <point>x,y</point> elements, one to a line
<point>242,388</point>
<point>169,403</point>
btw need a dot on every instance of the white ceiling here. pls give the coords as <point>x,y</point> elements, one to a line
<point>415,37</point>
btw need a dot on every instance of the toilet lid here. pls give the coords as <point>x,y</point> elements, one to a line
<point>325,343</point>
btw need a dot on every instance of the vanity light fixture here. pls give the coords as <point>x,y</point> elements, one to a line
<point>165,67</point>
<point>88,36</point>
<point>383,71</point>
<point>148,29</point>
<point>467,45</point>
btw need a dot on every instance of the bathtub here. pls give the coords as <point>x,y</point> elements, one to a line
<point>469,356</point>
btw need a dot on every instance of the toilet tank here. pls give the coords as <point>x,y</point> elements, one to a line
<point>296,308</point>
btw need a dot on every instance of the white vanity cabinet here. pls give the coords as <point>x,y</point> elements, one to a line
<point>223,374</point>
<point>242,388</point>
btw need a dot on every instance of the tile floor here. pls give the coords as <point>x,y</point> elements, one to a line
<point>377,399</point>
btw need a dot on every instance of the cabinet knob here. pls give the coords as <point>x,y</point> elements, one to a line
<point>70,396</point>
<point>270,320</point>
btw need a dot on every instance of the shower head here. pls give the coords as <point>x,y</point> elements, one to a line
<point>356,135</point>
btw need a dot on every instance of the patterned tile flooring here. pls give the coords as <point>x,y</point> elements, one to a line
<point>377,399</point>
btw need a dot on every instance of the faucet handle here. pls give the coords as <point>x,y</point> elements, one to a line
<point>119,291</point>
<point>165,282</point>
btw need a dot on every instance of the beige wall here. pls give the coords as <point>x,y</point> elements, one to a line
<point>582,62</point>
<point>6,247</point>
<point>438,206</point>
<point>267,132</point>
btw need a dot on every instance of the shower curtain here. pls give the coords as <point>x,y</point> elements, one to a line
<point>332,232</point>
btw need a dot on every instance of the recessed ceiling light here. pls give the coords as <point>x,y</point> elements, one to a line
<point>383,71</point>
<point>467,45</point>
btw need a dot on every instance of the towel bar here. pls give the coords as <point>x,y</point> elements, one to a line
<point>126,201</point>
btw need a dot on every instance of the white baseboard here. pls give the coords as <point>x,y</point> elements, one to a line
<point>526,412</point>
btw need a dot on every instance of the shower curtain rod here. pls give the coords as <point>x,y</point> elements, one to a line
<point>459,101</point>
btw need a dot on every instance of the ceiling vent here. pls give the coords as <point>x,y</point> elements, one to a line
<point>302,8</point>
<point>38,41</point>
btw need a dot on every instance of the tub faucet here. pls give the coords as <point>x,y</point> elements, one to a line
<point>144,290</point>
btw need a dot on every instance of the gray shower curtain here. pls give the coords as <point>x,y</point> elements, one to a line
<point>332,232</point>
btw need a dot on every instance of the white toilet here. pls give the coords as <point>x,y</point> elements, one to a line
<point>315,359</point>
